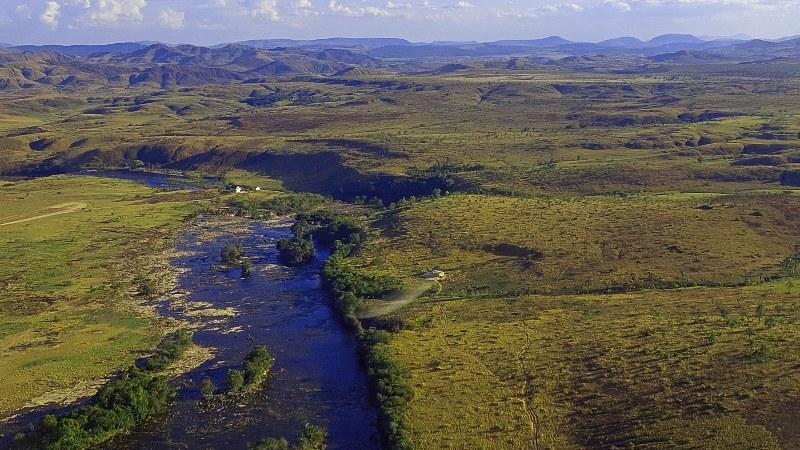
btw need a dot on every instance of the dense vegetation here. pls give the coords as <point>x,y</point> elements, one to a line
<point>388,379</point>
<point>296,251</point>
<point>231,254</point>
<point>170,349</point>
<point>254,371</point>
<point>127,401</point>
<point>313,438</point>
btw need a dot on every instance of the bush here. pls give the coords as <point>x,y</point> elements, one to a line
<point>207,388</point>
<point>255,369</point>
<point>231,254</point>
<point>247,267</point>
<point>169,350</point>
<point>257,365</point>
<point>329,228</point>
<point>272,444</point>
<point>313,438</point>
<point>293,203</point>
<point>234,381</point>
<point>147,288</point>
<point>295,251</point>
<point>119,406</point>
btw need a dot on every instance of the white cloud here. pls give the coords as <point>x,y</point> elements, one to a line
<point>464,4</point>
<point>619,5</point>
<point>266,9</point>
<point>112,12</point>
<point>171,18</point>
<point>304,8</point>
<point>50,15</point>
<point>357,11</point>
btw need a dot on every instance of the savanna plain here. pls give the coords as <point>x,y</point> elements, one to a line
<point>587,253</point>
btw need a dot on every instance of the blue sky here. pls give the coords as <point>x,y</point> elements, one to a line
<point>215,21</point>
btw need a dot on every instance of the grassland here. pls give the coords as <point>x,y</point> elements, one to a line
<point>690,368</point>
<point>491,245</point>
<point>615,247</point>
<point>69,312</point>
<point>507,132</point>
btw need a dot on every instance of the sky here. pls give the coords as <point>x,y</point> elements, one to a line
<point>206,22</point>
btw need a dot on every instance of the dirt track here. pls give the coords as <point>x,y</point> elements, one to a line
<point>62,208</point>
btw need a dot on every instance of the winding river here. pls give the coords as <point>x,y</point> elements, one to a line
<point>317,377</point>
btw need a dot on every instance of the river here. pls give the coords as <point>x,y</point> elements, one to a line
<point>317,377</point>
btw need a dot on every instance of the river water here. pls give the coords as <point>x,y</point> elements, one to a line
<point>317,377</point>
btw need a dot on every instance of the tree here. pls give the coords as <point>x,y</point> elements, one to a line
<point>272,444</point>
<point>247,267</point>
<point>234,381</point>
<point>207,388</point>
<point>313,438</point>
<point>231,254</point>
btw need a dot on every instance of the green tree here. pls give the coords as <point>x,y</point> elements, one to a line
<point>247,267</point>
<point>313,438</point>
<point>207,388</point>
<point>234,381</point>
<point>272,444</point>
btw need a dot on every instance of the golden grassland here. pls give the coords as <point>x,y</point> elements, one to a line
<point>708,368</point>
<point>68,312</point>
<point>496,364</point>
<point>491,245</point>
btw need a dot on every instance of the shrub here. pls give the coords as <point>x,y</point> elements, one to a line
<point>257,365</point>
<point>293,203</point>
<point>231,254</point>
<point>313,438</point>
<point>296,251</point>
<point>119,406</point>
<point>169,350</point>
<point>147,287</point>
<point>207,388</point>
<point>234,381</point>
<point>272,444</point>
<point>247,267</point>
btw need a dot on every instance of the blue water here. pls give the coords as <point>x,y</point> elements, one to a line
<point>317,377</point>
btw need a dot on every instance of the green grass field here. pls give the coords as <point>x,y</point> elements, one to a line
<point>68,311</point>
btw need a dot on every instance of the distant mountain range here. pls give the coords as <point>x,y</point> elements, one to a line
<point>166,66</point>
<point>157,64</point>
<point>401,48</point>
